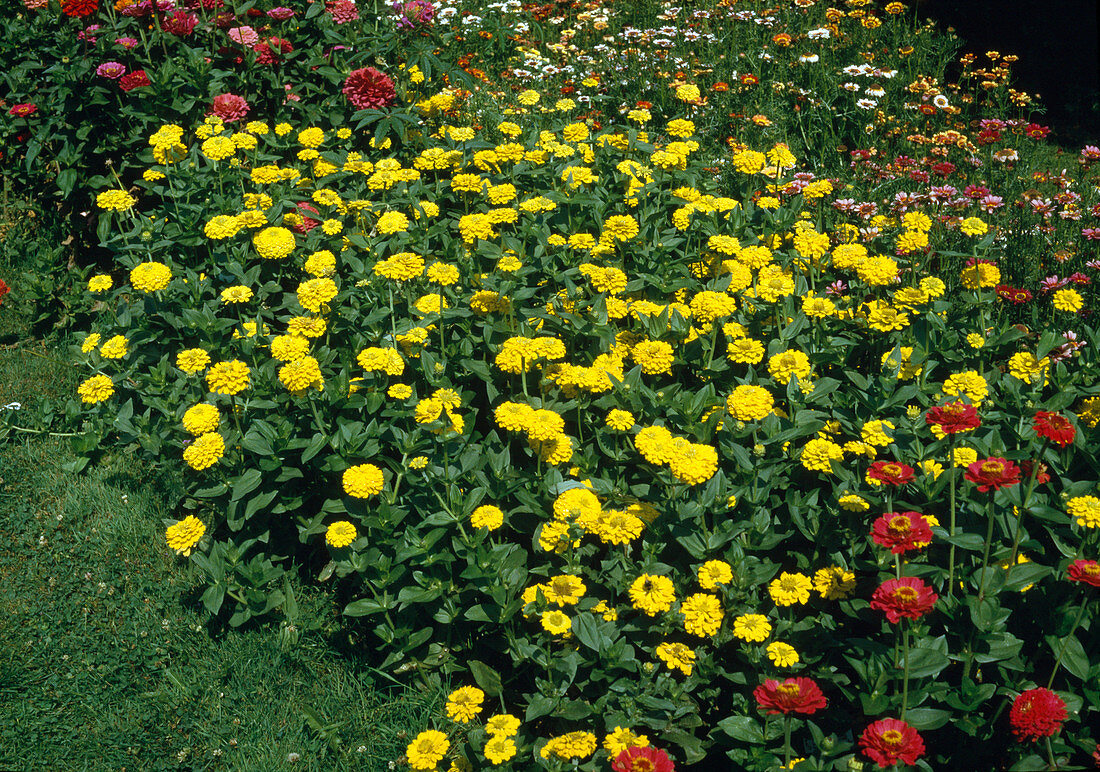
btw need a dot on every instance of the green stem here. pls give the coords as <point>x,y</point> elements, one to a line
<point>1050,754</point>
<point>1065,640</point>
<point>985,552</point>
<point>905,675</point>
<point>786,740</point>
<point>43,431</point>
<point>951,520</point>
<point>1023,507</point>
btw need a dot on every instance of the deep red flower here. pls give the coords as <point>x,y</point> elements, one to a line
<point>1037,713</point>
<point>4,290</point>
<point>954,417</point>
<point>23,109</point>
<point>889,741</point>
<point>993,472</point>
<point>1085,571</point>
<point>1041,476</point>
<point>369,88</point>
<point>270,51</point>
<point>891,472</point>
<point>901,531</point>
<point>907,597</point>
<point>1013,295</point>
<point>642,760</point>
<point>132,80</point>
<point>794,695</point>
<point>308,223</point>
<point>180,23</point>
<point>229,107</point>
<point>78,9</point>
<point>1054,427</point>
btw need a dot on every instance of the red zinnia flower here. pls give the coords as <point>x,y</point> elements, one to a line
<point>4,290</point>
<point>180,23</point>
<point>993,473</point>
<point>1086,571</point>
<point>794,695</point>
<point>643,760</point>
<point>901,531</point>
<point>229,107</point>
<point>1041,476</point>
<point>1054,427</point>
<point>79,8</point>
<point>369,88</point>
<point>1037,713</point>
<point>132,80</point>
<point>907,597</point>
<point>308,223</point>
<point>954,417</point>
<point>891,472</point>
<point>23,109</point>
<point>268,52</point>
<point>889,741</point>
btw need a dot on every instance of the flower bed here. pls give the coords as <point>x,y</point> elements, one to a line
<point>645,462</point>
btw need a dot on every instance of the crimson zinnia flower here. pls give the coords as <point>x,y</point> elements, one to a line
<point>794,695</point>
<point>642,760</point>
<point>23,109</point>
<point>1041,476</point>
<point>180,23</point>
<point>954,417</point>
<point>889,741</point>
<point>1086,571</point>
<point>368,87</point>
<point>901,531</point>
<point>1037,713</point>
<point>891,472</point>
<point>132,80</point>
<point>4,290</point>
<point>907,597</point>
<point>78,9</point>
<point>270,50</point>
<point>1054,427</point>
<point>993,473</point>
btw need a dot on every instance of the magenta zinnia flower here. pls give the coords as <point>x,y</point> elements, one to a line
<point>111,70</point>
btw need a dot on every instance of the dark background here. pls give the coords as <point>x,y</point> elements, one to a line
<point>1056,41</point>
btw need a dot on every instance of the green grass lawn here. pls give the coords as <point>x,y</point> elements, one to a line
<point>107,660</point>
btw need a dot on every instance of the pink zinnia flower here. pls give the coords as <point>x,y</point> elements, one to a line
<point>126,43</point>
<point>23,109</point>
<point>369,88</point>
<point>246,36</point>
<point>229,107</point>
<point>111,70</point>
<point>282,13</point>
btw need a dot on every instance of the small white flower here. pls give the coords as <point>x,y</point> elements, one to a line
<point>821,33</point>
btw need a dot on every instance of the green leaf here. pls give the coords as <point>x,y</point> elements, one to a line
<point>743,728</point>
<point>246,483</point>
<point>1023,575</point>
<point>927,718</point>
<point>587,632</point>
<point>487,679</point>
<point>926,662</point>
<point>1074,659</point>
